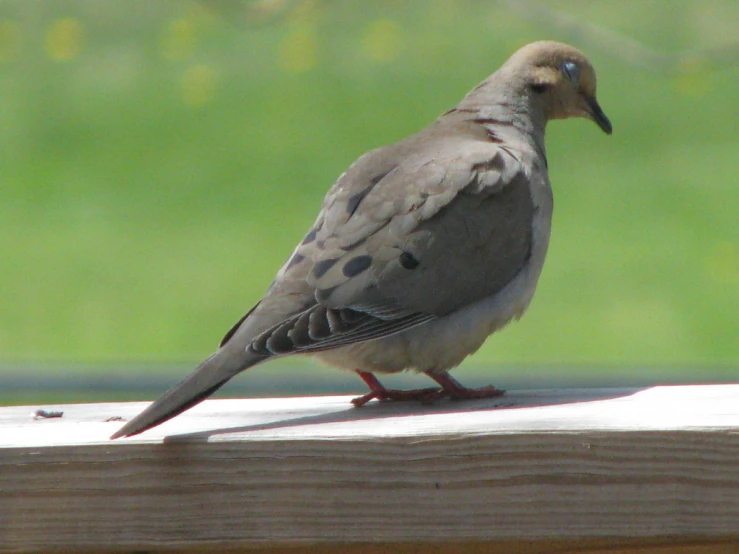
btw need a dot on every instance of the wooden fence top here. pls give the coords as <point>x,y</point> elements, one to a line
<point>659,466</point>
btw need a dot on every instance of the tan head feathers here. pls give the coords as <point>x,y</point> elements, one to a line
<point>554,79</point>
<point>563,77</point>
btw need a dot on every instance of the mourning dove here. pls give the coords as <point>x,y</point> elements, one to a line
<point>422,249</point>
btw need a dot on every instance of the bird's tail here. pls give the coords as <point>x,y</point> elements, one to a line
<point>207,378</point>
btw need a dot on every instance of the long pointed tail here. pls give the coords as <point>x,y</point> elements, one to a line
<point>207,378</point>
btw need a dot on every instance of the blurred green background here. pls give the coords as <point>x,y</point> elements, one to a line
<point>161,159</point>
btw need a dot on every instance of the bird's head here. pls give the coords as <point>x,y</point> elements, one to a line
<point>560,79</point>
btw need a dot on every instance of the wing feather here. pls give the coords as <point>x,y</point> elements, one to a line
<point>400,241</point>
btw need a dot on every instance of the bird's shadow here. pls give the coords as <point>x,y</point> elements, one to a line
<point>388,409</point>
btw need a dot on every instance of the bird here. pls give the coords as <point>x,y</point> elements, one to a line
<point>421,249</point>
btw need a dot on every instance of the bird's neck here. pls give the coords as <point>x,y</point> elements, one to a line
<point>508,114</point>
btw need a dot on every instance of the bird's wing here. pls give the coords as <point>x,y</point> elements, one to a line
<point>400,240</point>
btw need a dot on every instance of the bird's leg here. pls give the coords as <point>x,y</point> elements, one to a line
<point>377,390</point>
<point>457,391</point>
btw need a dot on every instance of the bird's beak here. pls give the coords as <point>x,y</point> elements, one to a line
<point>597,115</point>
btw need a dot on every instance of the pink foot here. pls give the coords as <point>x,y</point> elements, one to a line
<point>378,391</point>
<point>456,391</point>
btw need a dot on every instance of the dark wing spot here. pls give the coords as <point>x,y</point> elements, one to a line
<point>377,178</point>
<point>320,269</point>
<point>408,261</point>
<point>295,260</point>
<point>357,265</point>
<point>354,201</point>
<point>311,236</point>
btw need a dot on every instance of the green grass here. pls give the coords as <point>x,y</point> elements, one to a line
<point>136,226</point>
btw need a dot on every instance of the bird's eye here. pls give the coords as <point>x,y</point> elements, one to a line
<point>572,72</point>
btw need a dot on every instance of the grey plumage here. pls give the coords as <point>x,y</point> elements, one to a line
<point>423,248</point>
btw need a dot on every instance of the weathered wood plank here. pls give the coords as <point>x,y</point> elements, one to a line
<point>660,464</point>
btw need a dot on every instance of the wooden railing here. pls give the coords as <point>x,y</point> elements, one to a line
<point>637,470</point>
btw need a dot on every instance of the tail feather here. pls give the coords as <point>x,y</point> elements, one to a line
<point>207,378</point>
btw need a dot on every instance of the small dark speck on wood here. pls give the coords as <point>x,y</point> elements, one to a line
<point>44,414</point>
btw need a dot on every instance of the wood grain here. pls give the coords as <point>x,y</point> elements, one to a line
<point>658,466</point>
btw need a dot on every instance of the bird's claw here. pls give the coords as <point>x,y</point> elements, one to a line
<point>424,396</point>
